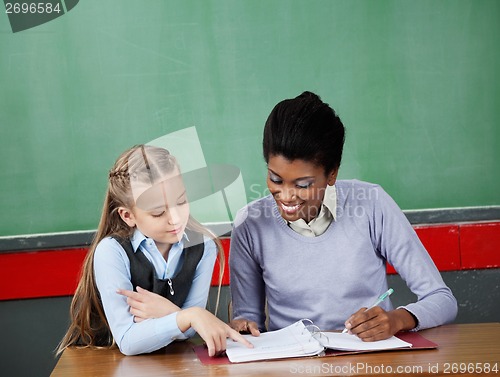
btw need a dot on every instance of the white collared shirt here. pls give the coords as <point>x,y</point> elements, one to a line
<point>320,223</point>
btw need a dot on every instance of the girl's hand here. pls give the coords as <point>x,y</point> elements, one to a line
<point>145,304</point>
<point>213,331</point>
<point>377,324</point>
<point>243,325</point>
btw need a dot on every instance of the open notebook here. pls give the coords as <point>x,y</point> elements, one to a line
<point>304,339</point>
<point>292,341</point>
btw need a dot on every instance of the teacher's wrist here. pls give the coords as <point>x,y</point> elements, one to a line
<point>405,320</point>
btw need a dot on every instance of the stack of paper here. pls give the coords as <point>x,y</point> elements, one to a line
<point>292,341</point>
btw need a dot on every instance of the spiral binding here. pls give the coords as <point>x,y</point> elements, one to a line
<point>314,330</point>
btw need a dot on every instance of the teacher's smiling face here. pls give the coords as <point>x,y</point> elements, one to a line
<point>298,186</point>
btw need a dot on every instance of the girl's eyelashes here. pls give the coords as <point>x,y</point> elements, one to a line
<point>161,213</point>
<point>181,200</point>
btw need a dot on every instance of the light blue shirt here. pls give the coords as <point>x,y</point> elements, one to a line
<point>112,272</point>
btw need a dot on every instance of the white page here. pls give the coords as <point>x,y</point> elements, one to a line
<point>292,341</point>
<point>348,342</point>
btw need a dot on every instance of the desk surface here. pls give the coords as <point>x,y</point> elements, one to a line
<point>463,349</point>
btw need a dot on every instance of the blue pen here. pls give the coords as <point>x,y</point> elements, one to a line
<point>381,298</point>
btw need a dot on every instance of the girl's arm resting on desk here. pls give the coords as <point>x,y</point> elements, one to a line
<point>209,327</point>
<point>145,304</point>
<point>213,331</point>
<point>112,273</point>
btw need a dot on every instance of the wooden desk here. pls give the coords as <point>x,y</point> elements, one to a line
<point>460,346</point>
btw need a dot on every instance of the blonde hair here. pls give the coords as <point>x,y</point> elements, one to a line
<point>89,326</point>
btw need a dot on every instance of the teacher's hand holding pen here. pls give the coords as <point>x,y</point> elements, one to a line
<point>374,323</point>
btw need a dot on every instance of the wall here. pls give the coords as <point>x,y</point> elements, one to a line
<point>416,84</point>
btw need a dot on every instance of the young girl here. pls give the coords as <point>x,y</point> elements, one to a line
<point>317,247</point>
<point>147,241</point>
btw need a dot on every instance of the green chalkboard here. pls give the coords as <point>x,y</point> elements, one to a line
<point>417,84</point>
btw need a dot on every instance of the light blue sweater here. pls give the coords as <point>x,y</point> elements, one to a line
<point>329,277</point>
